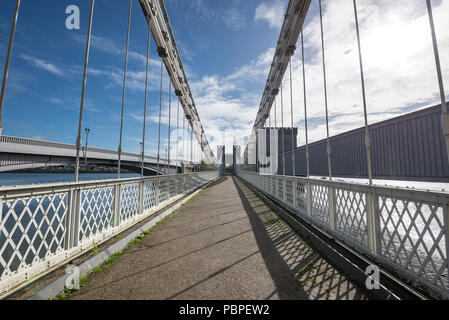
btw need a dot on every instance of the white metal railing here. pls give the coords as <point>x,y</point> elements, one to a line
<point>43,226</point>
<point>405,230</point>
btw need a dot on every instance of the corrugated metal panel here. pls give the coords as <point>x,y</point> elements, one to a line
<point>408,147</point>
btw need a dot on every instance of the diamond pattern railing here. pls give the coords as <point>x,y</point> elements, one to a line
<point>31,230</point>
<point>351,215</point>
<point>404,230</point>
<point>44,226</point>
<point>97,209</point>
<point>130,194</point>
<point>320,203</point>
<point>413,236</point>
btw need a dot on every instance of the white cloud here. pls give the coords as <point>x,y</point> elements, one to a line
<point>399,66</point>
<point>234,19</point>
<point>272,14</point>
<point>43,65</point>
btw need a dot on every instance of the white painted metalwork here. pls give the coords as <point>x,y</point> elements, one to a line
<point>159,22</point>
<point>8,61</point>
<point>404,230</point>
<point>44,226</point>
<point>124,90</point>
<point>145,108</point>
<point>83,90</point>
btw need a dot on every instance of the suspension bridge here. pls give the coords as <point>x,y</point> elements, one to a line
<point>289,222</point>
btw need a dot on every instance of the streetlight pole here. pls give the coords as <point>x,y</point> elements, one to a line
<point>87,130</point>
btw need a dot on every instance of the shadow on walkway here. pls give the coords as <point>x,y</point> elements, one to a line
<point>290,259</point>
<point>224,244</point>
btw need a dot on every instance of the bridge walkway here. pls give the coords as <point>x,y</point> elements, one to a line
<point>224,244</point>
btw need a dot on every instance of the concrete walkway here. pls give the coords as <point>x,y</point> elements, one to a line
<point>224,244</point>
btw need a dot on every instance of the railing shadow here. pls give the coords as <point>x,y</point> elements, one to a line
<point>291,261</point>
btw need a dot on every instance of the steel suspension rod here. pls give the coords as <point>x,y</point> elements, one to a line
<point>8,61</point>
<point>445,115</point>
<point>305,105</point>
<point>291,111</point>
<point>86,63</point>
<point>329,151</point>
<point>367,134</point>
<point>124,91</point>
<point>159,128</point>
<point>146,100</point>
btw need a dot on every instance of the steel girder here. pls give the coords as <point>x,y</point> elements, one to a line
<point>157,18</point>
<point>286,46</point>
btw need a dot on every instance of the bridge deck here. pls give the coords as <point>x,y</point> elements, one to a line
<point>224,244</point>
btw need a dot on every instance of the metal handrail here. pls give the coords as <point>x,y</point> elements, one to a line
<point>404,230</point>
<point>44,226</point>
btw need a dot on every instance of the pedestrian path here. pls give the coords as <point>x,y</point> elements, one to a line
<point>224,244</point>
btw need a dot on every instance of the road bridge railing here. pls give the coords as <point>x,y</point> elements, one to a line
<point>45,226</point>
<point>406,231</point>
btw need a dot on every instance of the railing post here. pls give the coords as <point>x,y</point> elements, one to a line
<point>284,188</point>
<point>157,192</point>
<point>117,204</point>
<point>141,196</point>
<point>332,208</point>
<point>72,222</point>
<point>446,233</point>
<point>68,219</point>
<point>309,199</point>
<point>294,190</point>
<point>373,222</point>
<point>276,187</point>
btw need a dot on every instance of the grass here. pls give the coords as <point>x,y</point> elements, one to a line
<point>95,251</point>
<point>108,263</point>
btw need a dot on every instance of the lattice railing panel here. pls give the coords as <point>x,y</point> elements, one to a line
<point>163,190</point>
<point>320,203</point>
<point>31,230</point>
<point>351,215</point>
<point>412,235</point>
<point>289,191</point>
<point>301,196</point>
<point>273,186</point>
<point>409,228</point>
<point>149,195</point>
<point>96,212</point>
<point>42,226</point>
<point>280,188</point>
<point>129,201</point>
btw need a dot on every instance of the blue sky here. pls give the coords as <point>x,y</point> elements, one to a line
<point>227,48</point>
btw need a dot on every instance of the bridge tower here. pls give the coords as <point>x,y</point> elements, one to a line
<point>221,158</point>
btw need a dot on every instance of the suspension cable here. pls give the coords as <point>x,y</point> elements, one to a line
<point>159,129</point>
<point>124,91</point>
<point>183,139</point>
<point>177,138</point>
<point>305,105</point>
<point>169,124</point>
<point>367,135</point>
<point>146,100</point>
<point>291,110</point>
<point>8,60</point>
<point>277,132</point>
<point>86,62</point>
<point>329,152</point>
<point>444,114</point>
<point>190,146</point>
<point>282,131</point>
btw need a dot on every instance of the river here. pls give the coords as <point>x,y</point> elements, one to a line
<point>11,179</point>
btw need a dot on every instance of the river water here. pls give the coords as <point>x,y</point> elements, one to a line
<point>11,179</point>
